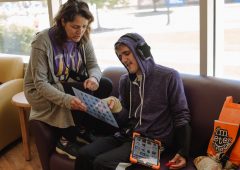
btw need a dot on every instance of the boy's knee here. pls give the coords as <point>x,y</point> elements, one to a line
<point>84,161</point>
<point>85,154</point>
<point>103,162</point>
<point>98,162</point>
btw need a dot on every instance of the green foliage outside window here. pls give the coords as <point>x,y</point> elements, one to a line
<point>16,39</point>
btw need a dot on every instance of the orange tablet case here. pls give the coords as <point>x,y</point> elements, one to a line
<point>145,161</point>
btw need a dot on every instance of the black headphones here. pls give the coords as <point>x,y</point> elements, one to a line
<point>143,49</point>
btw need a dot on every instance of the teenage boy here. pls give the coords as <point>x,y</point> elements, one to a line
<point>151,102</point>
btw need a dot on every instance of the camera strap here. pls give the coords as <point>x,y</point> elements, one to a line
<point>81,74</point>
<point>84,61</point>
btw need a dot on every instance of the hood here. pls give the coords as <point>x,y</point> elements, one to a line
<point>141,52</point>
<point>143,56</point>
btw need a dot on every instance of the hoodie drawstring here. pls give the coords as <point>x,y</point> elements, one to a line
<point>141,94</point>
<point>130,108</point>
<point>142,97</point>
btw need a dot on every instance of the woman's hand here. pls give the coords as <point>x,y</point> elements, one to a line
<point>177,162</point>
<point>77,104</point>
<point>91,83</point>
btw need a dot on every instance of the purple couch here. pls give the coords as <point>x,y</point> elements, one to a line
<point>205,96</point>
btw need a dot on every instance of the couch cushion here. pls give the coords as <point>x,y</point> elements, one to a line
<point>61,162</point>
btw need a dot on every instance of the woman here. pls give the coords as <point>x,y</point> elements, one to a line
<point>63,57</point>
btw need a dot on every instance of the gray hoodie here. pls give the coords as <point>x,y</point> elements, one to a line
<point>157,103</point>
<point>42,88</point>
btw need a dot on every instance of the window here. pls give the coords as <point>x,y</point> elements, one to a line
<point>19,21</point>
<point>171,29</point>
<point>227,57</point>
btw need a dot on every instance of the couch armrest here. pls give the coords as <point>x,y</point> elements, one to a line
<point>11,87</point>
<point>9,120</point>
<point>45,138</point>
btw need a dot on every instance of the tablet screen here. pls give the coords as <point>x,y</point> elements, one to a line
<point>146,151</point>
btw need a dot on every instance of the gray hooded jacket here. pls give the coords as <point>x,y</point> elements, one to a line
<point>42,88</point>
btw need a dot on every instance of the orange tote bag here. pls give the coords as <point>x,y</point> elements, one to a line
<point>226,132</point>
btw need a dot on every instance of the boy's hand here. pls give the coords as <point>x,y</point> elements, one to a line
<point>177,162</point>
<point>113,103</point>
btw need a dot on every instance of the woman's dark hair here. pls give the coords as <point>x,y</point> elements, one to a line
<point>68,11</point>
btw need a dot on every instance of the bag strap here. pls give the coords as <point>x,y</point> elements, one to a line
<point>225,157</point>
